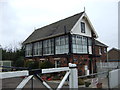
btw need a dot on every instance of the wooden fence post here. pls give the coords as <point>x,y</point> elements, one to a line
<point>73,77</point>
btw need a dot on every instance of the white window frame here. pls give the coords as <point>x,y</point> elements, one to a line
<point>28,50</point>
<point>82,27</point>
<point>61,46</point>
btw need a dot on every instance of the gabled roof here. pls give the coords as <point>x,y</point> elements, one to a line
<point>55,29</point>
<point>98,43</point>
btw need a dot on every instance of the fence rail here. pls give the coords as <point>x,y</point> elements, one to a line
<point>107,65</point>
<point>71,72</point>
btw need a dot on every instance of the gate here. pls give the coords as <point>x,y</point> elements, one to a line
<point>71,72</point>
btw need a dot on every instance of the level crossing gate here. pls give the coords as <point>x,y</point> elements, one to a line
<point>71,73</point>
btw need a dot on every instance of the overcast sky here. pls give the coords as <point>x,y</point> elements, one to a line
<point>19,18</point>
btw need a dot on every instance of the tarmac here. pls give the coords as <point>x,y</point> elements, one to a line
<point>14,82</point>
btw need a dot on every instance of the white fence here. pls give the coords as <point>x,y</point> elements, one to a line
<point>105,66</point>
<point>71,72</point>
<point>114,78</point>
<point>114,72</point>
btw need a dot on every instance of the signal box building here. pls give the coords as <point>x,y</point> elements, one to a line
<point>72,39</point>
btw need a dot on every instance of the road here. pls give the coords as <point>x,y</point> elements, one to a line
<point>14,82</point>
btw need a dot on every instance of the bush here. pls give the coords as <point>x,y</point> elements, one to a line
<point>87,84</point>
<point>46,64</point>
<point>56,78</point>
<point>19,62</point>
<point>80,81</point>
<point>32,64</point>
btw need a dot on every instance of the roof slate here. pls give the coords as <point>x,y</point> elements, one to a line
<point>54,29</point>
<point>98,43</point>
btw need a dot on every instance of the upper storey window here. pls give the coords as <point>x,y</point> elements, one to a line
<point>28,50</point>
<point>37,49</point>
<point>48,47</point>
<point>61,45</point>
<point>82,27</point>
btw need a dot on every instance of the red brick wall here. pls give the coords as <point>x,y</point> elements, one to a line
<point>80,60</point>
<point>102,56</point>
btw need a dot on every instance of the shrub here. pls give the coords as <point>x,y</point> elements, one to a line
<point>87,84</point>
<point>19,62</point>
<point>46,64</point>
<point>32,64</point>
<point>80,81</point>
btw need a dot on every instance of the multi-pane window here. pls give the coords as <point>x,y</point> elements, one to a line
<point>105,50</point>
<point>28,50</point>
<point>61,45</point>
<point>100,50</point>
<point>82,27</point>
<point>90,45</point>
<point>89,42</point>
<point>79,44</point>
<point>84,44</point>
<point>48,47</point>
<point>37,49</point>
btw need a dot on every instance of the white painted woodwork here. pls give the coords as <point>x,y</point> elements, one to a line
<point>13,74</point>
<point>90,49</point>
<point>51,70</point>
<point>77,28</point>
<point>73,77</point>
<point>24,82</point>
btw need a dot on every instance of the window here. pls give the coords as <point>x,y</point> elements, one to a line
<point>89,41</point>
<point>84,44</point>
<point>37,49</point>
<point>100,50</point>
<point>61,45</point>
<point>105,50</point>
<point>82,27</point>
<point>89,45</point>
<point>48,47</point>
<point>79,44</point>
<point>28,50</point>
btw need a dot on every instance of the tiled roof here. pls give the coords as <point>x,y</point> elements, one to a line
<point>58,28</point>
<point>98,43</point>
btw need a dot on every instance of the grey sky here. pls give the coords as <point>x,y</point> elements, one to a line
<point>19,18</point>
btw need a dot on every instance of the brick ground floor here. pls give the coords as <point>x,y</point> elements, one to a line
<point>84,62</point>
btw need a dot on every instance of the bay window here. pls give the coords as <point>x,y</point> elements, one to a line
<point>79,44</point>
<point>90,45</point>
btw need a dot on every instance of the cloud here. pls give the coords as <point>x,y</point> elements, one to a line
<point>19,17</point>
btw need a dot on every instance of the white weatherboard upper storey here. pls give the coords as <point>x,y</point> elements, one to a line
<point>88,27</point>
